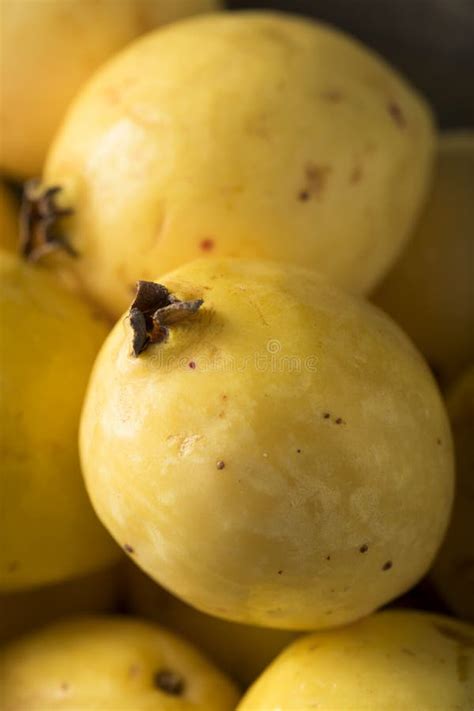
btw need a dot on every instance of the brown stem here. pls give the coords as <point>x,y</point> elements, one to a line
<point>152,311</point>
<point>39,216</point>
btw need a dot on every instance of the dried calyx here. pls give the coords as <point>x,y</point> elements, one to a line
<point>39,217</point>
<point>153,310</point>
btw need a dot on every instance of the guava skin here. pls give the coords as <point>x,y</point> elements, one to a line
<point>395,660</point>
<point>453,570</point>
<point>49,49</point>
<point>429,291</point>
<point>50,532</point>
<point>240,135</point>
<point>283,458</point>
<point>118,663</point>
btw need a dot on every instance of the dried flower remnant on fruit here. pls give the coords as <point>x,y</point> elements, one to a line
<point>39,216</point>
<point>169,682</point>
<point>153,310</point>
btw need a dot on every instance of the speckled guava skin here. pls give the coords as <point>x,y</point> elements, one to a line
<point>240,135</point>
<point>283,459</point>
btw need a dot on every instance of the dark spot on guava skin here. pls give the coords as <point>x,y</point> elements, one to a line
<point>13,566</point>
<point>364,548</point>
<point>129,549</point>
<point>303,195</point>
<point>207,244</point>
<point>408,651</point>
<point>387,565</point>
<point>463,641</point>
<point>356,175</point>
<point>438,441</point>
<point>192,364</point>
<point>327,415</point>
<point>456,635</point>
<point>332,95</point>
<point>396,113</point>
<point>298,451</point>
<point>64,686</point>
<point>339,421</point>
<point>328,612</point>
<point>280,572</point>
<point>169,682</point>
<point>315,179</point>
<point>133,671</point>
<point>328,557</point>
<point>220,464</point>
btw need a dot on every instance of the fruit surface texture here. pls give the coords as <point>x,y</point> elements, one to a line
<point>453,572</point>
<point>49,48</point>
<point>111,663</point>
<point>395,661</point>
<point>282,458</point>
<point>48,345</point>
<point>430,290</point>
<point>248,135</point>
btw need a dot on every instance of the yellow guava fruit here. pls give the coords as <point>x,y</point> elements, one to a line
<point>280,456</point>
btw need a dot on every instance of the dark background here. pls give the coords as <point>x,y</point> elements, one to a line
<point>430,41</point>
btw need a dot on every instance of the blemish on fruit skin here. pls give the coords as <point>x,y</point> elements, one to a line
<point>339,421</point>
<point>207,244</point>
<point>463,641</point>
<point>64,686</point>
<point>396,113</point>
<point>456,635</point>
<point>356,175</point>
<point>280,572</point>
<point>328,557</point>
<point>133,671</point>
<point>438,441</point>
<point>387,565</point>
<point>332,95</point>
<point>169,682</point>
<point>13,566</point>
<point>364,548</point>
<point>129,549</point>
<point>327,415</point>
<point>314,181</point>
<point>192,365</point>
<point>220,464</point>
<point>298,451</point>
